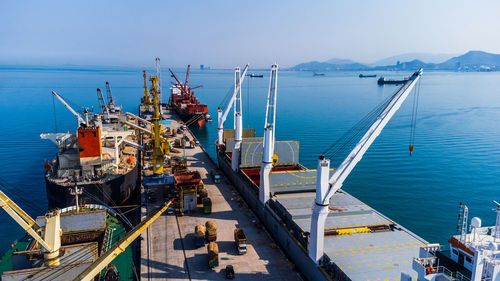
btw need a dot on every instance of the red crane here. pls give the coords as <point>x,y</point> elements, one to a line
<point>185,89</point>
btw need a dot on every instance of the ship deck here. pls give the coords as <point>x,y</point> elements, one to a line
<point>379,255</point>
<point>363,243</point>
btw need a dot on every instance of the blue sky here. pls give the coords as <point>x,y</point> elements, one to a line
<point>227,33</point>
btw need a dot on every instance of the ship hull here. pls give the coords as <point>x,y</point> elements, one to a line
<point>114,192</point>
<point>273,223</point>
<point>185,117</point>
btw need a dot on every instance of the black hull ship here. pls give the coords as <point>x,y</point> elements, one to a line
<point>96,165</point>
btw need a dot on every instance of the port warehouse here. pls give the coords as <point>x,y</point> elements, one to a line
<point>385,249</point>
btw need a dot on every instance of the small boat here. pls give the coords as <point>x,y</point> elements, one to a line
<point>318,74</point>
<point>382,80</point>
<point>367,76</point>
<point>253,75</point>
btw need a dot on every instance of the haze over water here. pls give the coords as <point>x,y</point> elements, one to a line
<point>456,156</point>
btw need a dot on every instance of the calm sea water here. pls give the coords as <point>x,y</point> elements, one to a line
<point>457,145</point>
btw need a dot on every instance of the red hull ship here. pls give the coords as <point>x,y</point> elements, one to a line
<point>183,100</point>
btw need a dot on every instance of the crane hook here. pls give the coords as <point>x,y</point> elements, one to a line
<point>411,149</point>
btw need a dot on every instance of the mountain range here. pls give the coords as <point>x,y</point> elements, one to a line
<point>470,61</point>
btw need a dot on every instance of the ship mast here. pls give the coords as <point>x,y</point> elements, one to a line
<point>269,132</point>
<point>326,187</point>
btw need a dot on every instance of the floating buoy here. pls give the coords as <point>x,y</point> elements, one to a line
<point>411,149</point>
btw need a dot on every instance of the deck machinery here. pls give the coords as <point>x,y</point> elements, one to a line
<point>326,232</point>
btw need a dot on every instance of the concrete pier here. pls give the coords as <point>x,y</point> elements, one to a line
<point>168,250</point>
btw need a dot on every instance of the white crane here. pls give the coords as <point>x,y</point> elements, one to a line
<point>238,123</point>
<point>221,116</point>
<point>326,187</point>
<point>158,74</point>
<point>270,124</point>
<point>80,119</point>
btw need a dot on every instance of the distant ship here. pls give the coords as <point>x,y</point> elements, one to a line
<point>382,80</point>
<point>367,76</point>
<point>318,74</point>
<point>253,75</point>
<point>100,159</point>
<point>184,102</point>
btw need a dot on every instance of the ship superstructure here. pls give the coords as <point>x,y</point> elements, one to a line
<point>474,253</point>
<point>328,233</point>
<point>100,158</point>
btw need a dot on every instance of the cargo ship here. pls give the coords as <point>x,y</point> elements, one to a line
<point>81,242</point>
<point>86,235</point>
<point>382,81</point>
<point>99,160</point>
<point>327,233</point>
<point>185,104</point>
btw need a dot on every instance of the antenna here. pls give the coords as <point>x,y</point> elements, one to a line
<point>463,215</point>
<point>497,224</point>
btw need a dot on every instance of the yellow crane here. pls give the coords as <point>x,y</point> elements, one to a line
<point>51,231</point>
<point>120,246</point>
<point>160,146</point>
<point>146,100</point>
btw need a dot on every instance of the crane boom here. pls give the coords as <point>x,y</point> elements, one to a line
<point>326,187</point>
<point>5,200</point>
<point>223,115</point>
<point>158,74</point>
<point>51,242</point>
<point>146,122</point>
<point>137,127</point>
<point>80,119</point>
<point>120,246</point>
<point>111,101</point>
<point>341,173</point>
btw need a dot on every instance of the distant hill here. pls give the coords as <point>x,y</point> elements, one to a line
<point>473,61</point>
<point>425,57</point>
<point>470,61</point>
<point>340,61</point>
<point>324,66</point>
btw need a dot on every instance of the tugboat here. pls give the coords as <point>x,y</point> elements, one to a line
<point>187,106</point>
<point>101,158</point>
